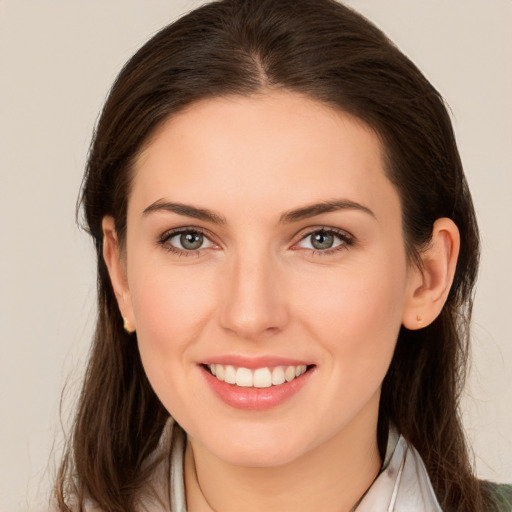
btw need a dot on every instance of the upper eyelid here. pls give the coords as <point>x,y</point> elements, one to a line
<point>347,240</point>
<point>300,235</point>
<point>342,233</point>
<point>186,229</point>
<point>304,233</point>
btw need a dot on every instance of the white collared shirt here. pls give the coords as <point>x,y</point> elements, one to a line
<point>403,484</point>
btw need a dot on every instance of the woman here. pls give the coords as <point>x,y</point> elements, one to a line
<point>287,250</point>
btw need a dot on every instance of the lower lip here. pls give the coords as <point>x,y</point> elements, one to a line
<point>255,399</point>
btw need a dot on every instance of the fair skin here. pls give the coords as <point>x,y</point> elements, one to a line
<point>257,287</point>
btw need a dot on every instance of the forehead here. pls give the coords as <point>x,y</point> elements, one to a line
<point>274,146</point>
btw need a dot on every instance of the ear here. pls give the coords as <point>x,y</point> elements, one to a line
<point>428,286</point>
<point>117,270</point>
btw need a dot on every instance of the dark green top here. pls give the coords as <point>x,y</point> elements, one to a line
<point>501,495</point>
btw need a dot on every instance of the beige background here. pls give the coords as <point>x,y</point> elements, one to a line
<point>57,61</point>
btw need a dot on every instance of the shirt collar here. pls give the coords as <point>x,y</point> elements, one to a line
<point>402,486</point>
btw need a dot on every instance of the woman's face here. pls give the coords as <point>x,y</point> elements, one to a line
<point>264,235</point>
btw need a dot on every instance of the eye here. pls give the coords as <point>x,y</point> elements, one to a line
<point>185,241</point>
<point>325,240</point>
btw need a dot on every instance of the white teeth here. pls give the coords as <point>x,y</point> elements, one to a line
<point>230,375</point>
<point>244,378</point>
<point>262,378</point>
<point>299,370</point>
<point>278,375</point>
<point>289,373</point>
<point>258,378</point>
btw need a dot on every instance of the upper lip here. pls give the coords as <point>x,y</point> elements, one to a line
<point>254,362</point>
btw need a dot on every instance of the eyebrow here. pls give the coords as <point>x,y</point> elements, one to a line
<point>322,207</point>
<point>186,210</point>
<point>288,217</point>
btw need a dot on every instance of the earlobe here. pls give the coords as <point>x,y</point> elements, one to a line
<point>117,272</point>
<point>429,286</point>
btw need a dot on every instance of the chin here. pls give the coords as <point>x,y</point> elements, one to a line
<point>259,450</point>
<point>267,457</point>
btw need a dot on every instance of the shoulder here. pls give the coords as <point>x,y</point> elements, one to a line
<point>154,496</point>
<point>501,495</point>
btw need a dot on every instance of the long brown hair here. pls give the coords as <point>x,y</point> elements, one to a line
<point>329,53</point>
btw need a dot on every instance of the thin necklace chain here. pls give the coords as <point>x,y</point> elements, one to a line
<point>199,484</point>
<point>353,509</point>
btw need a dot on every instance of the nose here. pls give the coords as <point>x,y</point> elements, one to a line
<point>254,305</point>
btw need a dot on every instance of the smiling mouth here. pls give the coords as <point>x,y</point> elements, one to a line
<point>265,377</point>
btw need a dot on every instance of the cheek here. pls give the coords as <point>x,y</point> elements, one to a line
<point>169,307</point>
<point>356,314</point>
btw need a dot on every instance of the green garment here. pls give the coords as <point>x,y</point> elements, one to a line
<point>501,495</point>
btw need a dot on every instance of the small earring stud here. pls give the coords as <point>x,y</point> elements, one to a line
<point>127,327</point>
<point>419,319</point>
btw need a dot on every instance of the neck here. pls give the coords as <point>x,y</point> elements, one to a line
<point>331,477</point>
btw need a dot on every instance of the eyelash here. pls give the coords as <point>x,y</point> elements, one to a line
<point>347,240</point>
<point>164,241</point>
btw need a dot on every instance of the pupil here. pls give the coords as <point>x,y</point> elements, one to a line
<point>322,240</point>
<point>191,241</point>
